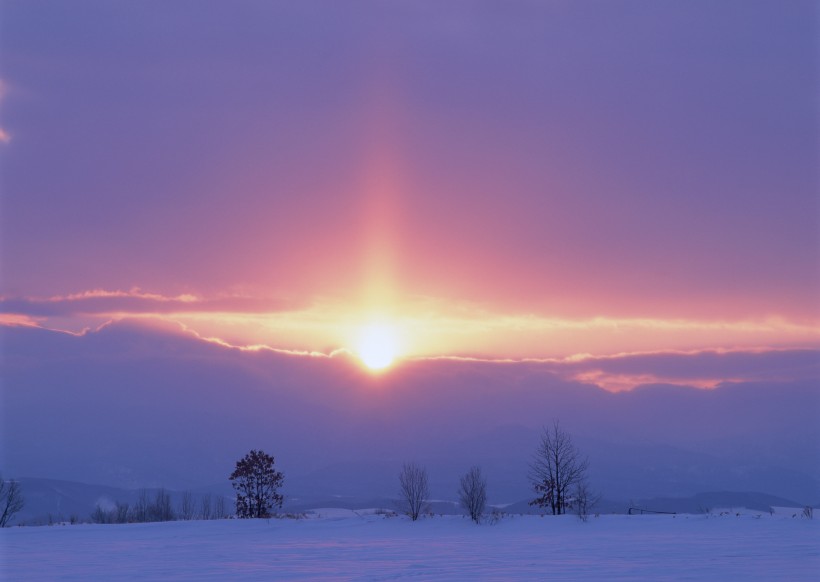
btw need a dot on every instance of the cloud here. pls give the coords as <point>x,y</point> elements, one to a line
<point>701,368</point>
<point>14,319</point>
<point>103,302</point>
<point>426,327</point>
<point>5,137</point>
<point>708,368</point>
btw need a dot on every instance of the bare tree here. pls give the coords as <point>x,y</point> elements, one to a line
<point>122,513</point>
<point>556,469</point>
<point>119,512</point>
<point>413,489</point>
<point>160,509</point>
<point>140,511</point>
<point>100,515</point>
<point>583,500</point>
<point>187,506</point>
<point>472,492</point>
<point>11,500</point>
<point>219,508</point>
<point>206,506</point>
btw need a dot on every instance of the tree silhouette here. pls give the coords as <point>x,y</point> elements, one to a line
<point>413,489</point>
<point>472,492</point>
<point>256,483</point>
<point>557,467</point>
<point>11,500</point>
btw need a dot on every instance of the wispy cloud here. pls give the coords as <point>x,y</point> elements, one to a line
<point>701,368</point>
<point>707,368</point>
<point>5,136</point>
<point>104,302</point>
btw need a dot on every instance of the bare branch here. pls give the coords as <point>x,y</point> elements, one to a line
<point>205,510</point>
<point>413,489</point>
<point>187,507</point>
<point>556,468</point>
<point>11,500</point>
<point>472,493</point>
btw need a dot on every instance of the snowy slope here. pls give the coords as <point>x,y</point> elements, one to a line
<point>345,545</point>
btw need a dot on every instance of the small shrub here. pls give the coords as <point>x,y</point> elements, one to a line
<point>301,515</point>
<point>495,516</point>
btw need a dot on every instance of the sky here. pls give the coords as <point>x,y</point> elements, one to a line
<point>357,234</point>
<point>522,180</point>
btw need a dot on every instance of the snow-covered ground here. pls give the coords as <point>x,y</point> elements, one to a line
<point>340,544</point>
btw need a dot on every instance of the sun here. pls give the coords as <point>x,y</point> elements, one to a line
<point>377,346</point>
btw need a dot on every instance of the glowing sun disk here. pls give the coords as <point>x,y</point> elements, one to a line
<point>377,346</point>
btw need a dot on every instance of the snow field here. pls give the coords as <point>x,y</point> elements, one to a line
<point>345,545</point>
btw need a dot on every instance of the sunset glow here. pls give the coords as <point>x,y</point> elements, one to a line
<point>497,198</point>
<point>396,246</point>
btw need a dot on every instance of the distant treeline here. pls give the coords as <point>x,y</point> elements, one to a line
<point>160,508</point>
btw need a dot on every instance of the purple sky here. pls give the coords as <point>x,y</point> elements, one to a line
<point>551,161</point>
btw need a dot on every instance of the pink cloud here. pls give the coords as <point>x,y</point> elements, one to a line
<point>698,368</point>
<point>14,319</point>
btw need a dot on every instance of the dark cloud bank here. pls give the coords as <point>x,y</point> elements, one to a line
<point>133,406</point>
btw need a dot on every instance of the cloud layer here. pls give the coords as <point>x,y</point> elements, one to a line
<point>424,327</point>
<point>133,405</point>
